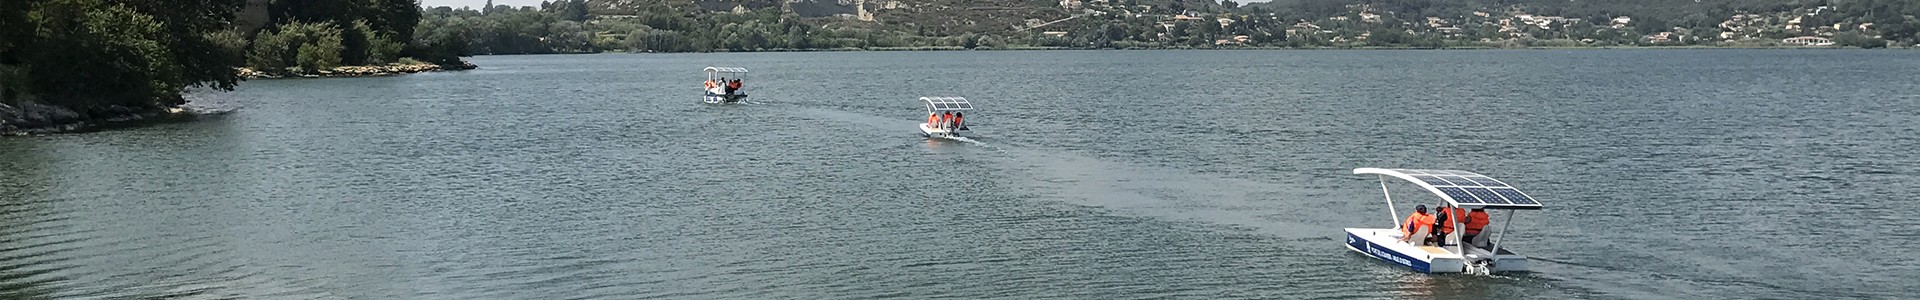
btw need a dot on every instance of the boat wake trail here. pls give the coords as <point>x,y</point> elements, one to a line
<point>969,141</point>
<point>1575,264</point>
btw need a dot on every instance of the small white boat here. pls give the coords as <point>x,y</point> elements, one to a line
<point>946,117</point>
<point>716,91</point>
<point>1459,189</point>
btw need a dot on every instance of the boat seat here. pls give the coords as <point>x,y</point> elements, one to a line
<point>1418,241</point>
<point>1450,239</point>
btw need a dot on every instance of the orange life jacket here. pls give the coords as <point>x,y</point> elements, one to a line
<point>710,84</point>
<point>1452,215</point>
<point>1477,221</point>
<point>1415,222</point>
<point>734,85</point>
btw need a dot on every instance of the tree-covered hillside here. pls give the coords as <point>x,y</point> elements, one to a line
<point>1889,19</point>
<point>758,25</point>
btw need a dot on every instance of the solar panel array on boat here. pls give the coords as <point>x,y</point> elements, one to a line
<point>947,103</point>
<point>726,69</point>
<point>1469,188</point>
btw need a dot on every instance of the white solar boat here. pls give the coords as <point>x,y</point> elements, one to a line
<point>716,91</point>
<point>1461,189</point>
<point>946,117</point>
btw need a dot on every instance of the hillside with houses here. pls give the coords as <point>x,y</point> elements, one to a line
<point>785,25</point>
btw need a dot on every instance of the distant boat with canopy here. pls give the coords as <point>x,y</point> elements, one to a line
<point>946,117</point>
<point>718,91</point>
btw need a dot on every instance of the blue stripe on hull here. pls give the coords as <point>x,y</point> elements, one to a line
<point>1385,254</point>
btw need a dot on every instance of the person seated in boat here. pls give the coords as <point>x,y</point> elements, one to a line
<point>933,120</point>
<point>946,120</point>
<point>957,117</point>
<point>1446,219</point>
<point>711,85</point>
<point>1417,222</point>
<point>735,86</point>
<point>1476,221</point>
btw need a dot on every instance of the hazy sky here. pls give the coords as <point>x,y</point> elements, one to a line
<point>476,4</point>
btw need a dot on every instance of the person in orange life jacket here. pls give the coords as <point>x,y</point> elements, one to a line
<point>1476,221</point>
<point>735,85</point>
<point>933,120</point>
<point>945,120</point>
<point>1419,219</point>
<point>711,85</point>
<point>957,117</point>
<point>1446,218</point>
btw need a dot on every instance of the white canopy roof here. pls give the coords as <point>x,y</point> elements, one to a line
<point>726,70</point>
<point>1462,188</point>
<point>946,103</point>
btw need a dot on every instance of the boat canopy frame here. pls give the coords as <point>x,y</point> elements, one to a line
<point>726,70</point>
<point>940,104</point>
<point>713,71</point>
<point>1462,188</point>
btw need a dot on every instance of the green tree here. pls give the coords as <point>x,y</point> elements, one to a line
<point>444,44</point>
<point>1850,39</point>
<point>100,56</point>
<point>1179,31</point>
<point>94,56</point>
<point>309,46</point>
<point>384,50</point>
<point>14,26</point>
<point>268,52</point>
<point>322,53</point>
<point>355,42</point>
<point>185,25</point>
<point>364,22</point>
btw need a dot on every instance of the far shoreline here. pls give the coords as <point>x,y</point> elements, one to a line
<point>956,48</point>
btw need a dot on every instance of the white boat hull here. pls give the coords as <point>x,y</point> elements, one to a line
<point>1384,244</point>
<point>930,131</point>
<point>712,98</point>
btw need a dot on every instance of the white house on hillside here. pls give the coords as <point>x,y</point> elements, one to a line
<point>1808,41</point>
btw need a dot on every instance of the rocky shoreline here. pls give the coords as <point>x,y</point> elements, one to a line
<point>358,71</point>
<point>31,118</point>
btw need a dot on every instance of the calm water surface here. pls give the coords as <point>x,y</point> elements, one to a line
<point>1702,174</point>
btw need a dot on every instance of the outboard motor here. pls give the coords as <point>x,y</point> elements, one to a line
<point>1480,267</point>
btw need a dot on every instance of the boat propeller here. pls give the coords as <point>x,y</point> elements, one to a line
<point>1480,267</point>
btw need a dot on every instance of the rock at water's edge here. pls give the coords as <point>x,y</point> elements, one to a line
<point>30,118</point>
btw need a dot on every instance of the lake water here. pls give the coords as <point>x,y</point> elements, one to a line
<point>1698,174</point>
